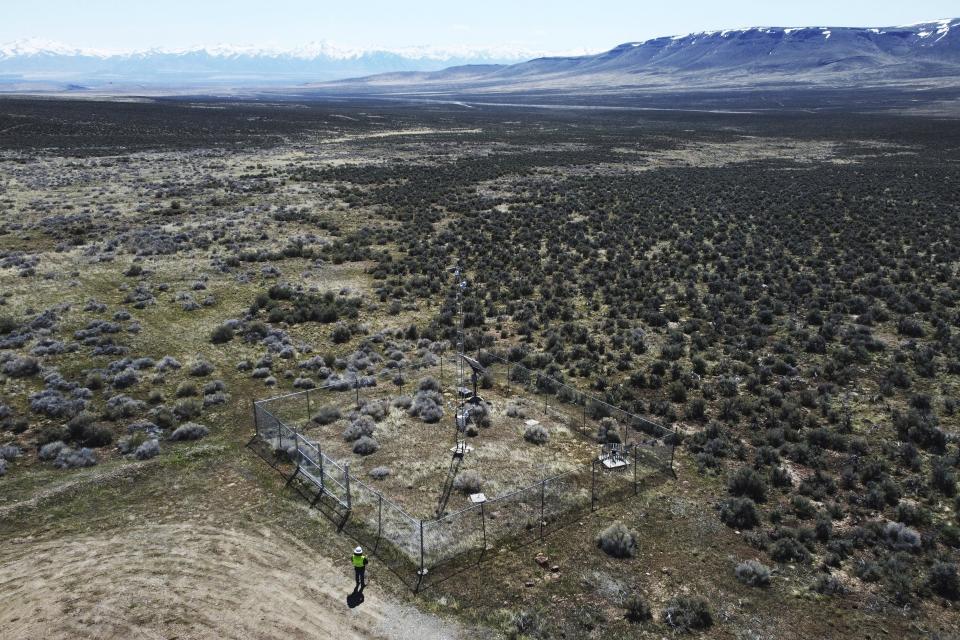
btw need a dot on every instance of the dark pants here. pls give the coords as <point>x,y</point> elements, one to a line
<point>361,581</point>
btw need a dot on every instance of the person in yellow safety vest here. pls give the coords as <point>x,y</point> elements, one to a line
<point>359,568</point>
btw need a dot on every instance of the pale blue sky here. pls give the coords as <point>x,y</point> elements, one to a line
<point>554,26</point>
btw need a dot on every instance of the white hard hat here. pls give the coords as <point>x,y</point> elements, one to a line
<point>358,550</point>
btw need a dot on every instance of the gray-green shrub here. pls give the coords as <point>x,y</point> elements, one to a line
<point>618,541</point>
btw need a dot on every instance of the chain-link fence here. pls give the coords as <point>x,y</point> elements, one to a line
<point>630,451</point>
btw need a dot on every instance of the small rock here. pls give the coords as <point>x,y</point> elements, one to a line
<point>529,583</point>
<point>542,560</point>
<point>555,568</point>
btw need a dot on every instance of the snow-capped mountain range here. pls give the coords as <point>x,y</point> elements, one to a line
<point>44,60</point>
<point>928,51</point>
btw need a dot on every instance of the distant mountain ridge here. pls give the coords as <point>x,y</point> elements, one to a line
<point>810,55</point>
<point>920,56</point>
<point>42,60</point>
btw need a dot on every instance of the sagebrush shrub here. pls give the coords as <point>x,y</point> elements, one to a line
<point>753,573</point>
<point>131,442</point>
<point>402,402</point>
<point>51,450</point>
<point>428,383</point>
<point>200,368</point>
<point>126,378</point>
<point>516,410</point>
<point>376,409</point>
<point>122,406</point>
<point>186,389</point>
<point>468,482</point>
<point>21,367</point>
<point>780,477</point>
<point>10,452</point>
<point>943,580</point>
<point>829,586</point>
<point>379,473</point>
<point>341,333</point>
<point>687,613</point>
<point>480,415</point>
<point>97,436</point>
<point>78,424</point>
<point>53,404</point>
<point>867,570</point>
<point>618,541</point>
<point>361,426</point>
<point>609,431</point>
<point>304,383</point>
<point>147,450</point>
<point>75,459</point>
<point>747,482</point>
<point>167,363</point>
<point>638,609</point>
<point>901,537</point>
<point>898,574</point>
<point>739,513</point>
<point>213,387</point>
<point>943,478</point>
<point>525,624</point>
<point>222,334</point>
<point>188,408</point>
<point>365,446</point>
<point>536,434</point>
<point>427,406</point>
<point>803,507</point>
<point>789,550</point>
<point>326,415</point>
<point>189,431</point>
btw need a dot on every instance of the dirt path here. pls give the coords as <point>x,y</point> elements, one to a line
<point>189,581</point>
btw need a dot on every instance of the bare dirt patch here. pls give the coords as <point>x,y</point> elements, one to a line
<point>189,581</point>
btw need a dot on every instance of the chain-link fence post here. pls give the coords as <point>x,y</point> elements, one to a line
<point>309,411</point>
<point>296,450</point>
<point>379,521</point>
<point>593,485</point>
<point>636,455</point>
<point>320,462</point>
<point>423,569</point>
<point>543,491</point>
<point>483,525</point>
<point>346,482</point>
<point>673,447</point>
<point>256,418</point>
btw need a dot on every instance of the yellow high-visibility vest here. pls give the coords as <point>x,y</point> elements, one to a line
<point>359,561</point>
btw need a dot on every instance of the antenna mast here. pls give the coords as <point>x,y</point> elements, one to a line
<point>461,412</point>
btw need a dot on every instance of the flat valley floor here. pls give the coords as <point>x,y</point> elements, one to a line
<point>780,286</point>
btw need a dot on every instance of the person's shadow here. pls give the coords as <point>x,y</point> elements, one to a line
<point>355,599</point>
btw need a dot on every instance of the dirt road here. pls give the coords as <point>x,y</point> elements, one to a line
<point>187,581</point>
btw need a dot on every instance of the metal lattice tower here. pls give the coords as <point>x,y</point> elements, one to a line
<point>460,413</point>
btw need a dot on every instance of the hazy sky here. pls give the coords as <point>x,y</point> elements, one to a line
<point>554,26</point>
